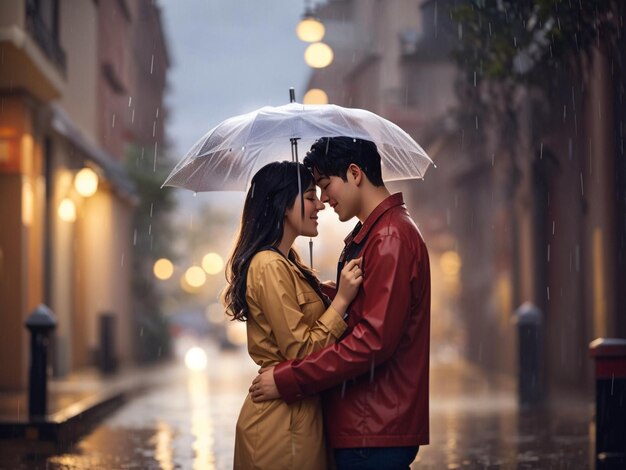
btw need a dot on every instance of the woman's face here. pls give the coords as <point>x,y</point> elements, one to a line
<point>306,226</point>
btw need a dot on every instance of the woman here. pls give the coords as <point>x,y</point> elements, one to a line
<point>286,314</point>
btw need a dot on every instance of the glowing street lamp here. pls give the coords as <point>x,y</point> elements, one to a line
<point>315,96</point>
<point>86,182</point>
<point>318,55</point>
<point>212,263</point>
<point>163,269</point>
<point>310,29</point>
<point>67,210</point>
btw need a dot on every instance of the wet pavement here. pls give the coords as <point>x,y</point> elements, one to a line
<point>187,421</point>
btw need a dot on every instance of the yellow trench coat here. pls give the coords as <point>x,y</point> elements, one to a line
<point>287,320</point>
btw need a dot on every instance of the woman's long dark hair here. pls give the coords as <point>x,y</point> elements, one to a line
<point>273,190</point>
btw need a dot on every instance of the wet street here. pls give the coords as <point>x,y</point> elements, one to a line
<point>187,421</point>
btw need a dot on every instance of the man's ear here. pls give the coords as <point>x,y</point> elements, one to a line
<point>355,172</point>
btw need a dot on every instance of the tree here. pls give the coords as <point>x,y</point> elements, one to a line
<point>153,239</point>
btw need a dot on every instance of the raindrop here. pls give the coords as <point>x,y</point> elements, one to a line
<point>541,151</point>
<point>122,261</point>
<point>553,225</point>
<point>141,332</point>
<point>150,229</point>
<point>476,119</point>
<point>113,121</point>
<point>548,252</point>
<point>548,291</point>
<point>132,116</point>
<point>252,191</point>
<point>152,64</point>
<point>195,194</point>
<point>151,207</point>
<point>582,189</point>
<point>156,144</point>
<point>564,112</point>
<point>157,112</point>
<point>153,128</point>
<point>474,79</point>
<point>130,101</point>
<point>135,238</point>
<point>493,159</point>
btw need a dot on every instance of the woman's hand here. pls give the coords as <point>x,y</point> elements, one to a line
<point>350,281</point>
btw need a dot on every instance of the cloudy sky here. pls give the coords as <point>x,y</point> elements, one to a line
<point>229,57</point>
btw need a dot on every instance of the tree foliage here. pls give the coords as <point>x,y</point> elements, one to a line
<point>528,40</point>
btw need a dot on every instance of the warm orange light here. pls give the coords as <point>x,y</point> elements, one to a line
<point>315,96</point>
<point>318,55</point>
<point>310,30</point>
<point>212,263</point>
<point>163,269</point>
<point>67,210</point>
<point>86,182</point>
<point>195,276</point>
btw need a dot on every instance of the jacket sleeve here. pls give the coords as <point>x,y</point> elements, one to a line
<point>389,272</point>
<point>277,298</point>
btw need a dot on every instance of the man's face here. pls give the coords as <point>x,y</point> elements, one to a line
<point>341,195</point>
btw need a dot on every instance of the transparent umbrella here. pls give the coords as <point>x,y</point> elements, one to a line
<point>226,157</point>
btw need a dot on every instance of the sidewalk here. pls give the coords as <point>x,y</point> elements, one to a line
<point>75,404</point>
<point>475,422</point>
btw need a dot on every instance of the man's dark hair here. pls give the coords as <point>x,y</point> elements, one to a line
<point>331,156</point>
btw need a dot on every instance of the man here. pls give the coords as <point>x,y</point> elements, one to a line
<point>376,377</point>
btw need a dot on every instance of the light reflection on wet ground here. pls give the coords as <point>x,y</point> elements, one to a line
<point>188,422</point>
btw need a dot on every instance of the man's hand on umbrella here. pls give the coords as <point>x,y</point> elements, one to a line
<point>263,386</point>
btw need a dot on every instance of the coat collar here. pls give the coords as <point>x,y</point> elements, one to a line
<point>360,231</point>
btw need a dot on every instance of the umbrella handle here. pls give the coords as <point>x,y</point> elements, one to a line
<point>292,95</point>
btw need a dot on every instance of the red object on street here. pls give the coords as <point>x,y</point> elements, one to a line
<point>610,357</point>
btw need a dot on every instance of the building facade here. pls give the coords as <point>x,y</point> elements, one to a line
<point>541,220</point>
<point>69,86</point>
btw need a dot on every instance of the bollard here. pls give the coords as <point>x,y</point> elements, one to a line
<point>610,359</point>
<point>529,336</point>
<point>107,359</point>
<point>40,323</point>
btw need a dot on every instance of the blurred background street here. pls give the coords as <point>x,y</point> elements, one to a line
<point>521,105</point>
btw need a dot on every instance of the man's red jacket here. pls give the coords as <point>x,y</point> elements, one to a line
<point>376,377</point>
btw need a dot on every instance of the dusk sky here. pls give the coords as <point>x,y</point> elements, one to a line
<point>228,58</point>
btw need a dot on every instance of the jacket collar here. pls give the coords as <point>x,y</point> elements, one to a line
<point>360,231</point>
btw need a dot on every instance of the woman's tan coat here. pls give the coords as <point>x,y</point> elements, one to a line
<point>287,320</point>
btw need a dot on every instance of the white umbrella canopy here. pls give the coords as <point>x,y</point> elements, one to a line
<point>226,157</point>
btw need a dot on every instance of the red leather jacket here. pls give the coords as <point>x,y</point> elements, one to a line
<point>376,376</point>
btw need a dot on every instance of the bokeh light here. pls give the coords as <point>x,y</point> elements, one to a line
<point>212,263</point>
<point>163,269</point>
<point>310,30</point>
<point>67,210</point>
<point>318,55</point>
<point>315,96</point>
<point>196,359</point>
<point>86,182</point>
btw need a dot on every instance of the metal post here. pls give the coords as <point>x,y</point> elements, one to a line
<point>610,358</point>
<point>40,323</point>
<point>529,335</point>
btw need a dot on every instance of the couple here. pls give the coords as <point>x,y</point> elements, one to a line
<point>358,350</point>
